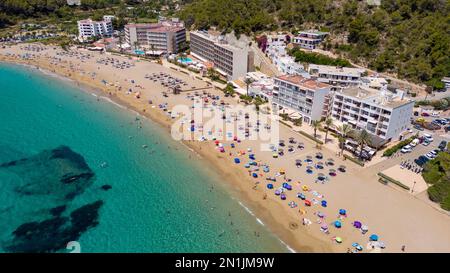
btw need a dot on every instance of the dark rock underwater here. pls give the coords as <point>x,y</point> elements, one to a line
<point>50,180</point>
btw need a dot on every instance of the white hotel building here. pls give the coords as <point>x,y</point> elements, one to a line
<point>306,96</point>
<point>164,36</point>
<point>229,60</point>
<point>89,28</point>
<point>309,39</point>
<point>338,77</point>
<point>383,114</point>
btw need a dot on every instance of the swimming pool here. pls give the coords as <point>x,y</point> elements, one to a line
<point>139,52</point>
<point>186,60</point>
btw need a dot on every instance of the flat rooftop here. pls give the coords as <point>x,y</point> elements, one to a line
<point>156,27</point>
<point>379,97</point>
<point>217,39</point>
<point>298,80</point>
<point>328,69</point>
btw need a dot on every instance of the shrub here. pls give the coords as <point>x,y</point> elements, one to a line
<point>397,147</point>
<point>354,160</point>
<point>311,137</point>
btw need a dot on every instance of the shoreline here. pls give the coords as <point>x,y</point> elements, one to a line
<point>207,157</point>
<point>398,218</point>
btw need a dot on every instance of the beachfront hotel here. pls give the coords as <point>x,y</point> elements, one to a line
<point>381,113</point>
<point>164,36</point>
<point>230,60</point>
<point>89,28</point>
<point>338,77</point>
<point>304,95</point>
<point>309,39</point>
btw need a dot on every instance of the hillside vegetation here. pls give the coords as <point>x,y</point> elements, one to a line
<point>410,38</point>
<point>437,173</point>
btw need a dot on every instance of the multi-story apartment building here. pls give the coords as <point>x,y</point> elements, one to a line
<point>383,114</point>
<point>307,96</point>
<point>89,28</point>
<point>231,61</point>
<point>287,65</point>
<point>309,39</point>
<point>166,35</point>
<point>338,77</point>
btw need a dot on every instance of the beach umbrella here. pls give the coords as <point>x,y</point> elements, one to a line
<point>341,168</point>
<point>324,227</point>
<point>364,228</point>
<point>307,203</point>
<point>319,155</point>
<point>330,161</point>
<point>270,186</point>
<point>266,169</point>
<point>232,145</point>
<point>332,172</point>
<point>237,160</point>
<point>255,175</point>
<point>277,192</point>
<point>251,156</point>
<point>301,196</point>
<point>342,212</point>
<point>298,162</point>
<point>305,188</point>
<point>283,196</point>
<point>282,171</point>
<point>338,240</point>
<point>357,224</point>
<point>274,155</point>
<point>337,224</point>
<point>216,142</point>
<point>247,165</point>
<point>320,214</point>
<point>373,237</point>
<point>323,203</point>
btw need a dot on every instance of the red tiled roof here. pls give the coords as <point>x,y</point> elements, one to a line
<point>304,82</point>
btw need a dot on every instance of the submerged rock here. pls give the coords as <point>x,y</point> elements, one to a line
<point>106,187</point>
<point>60,173</point>
<point>53,234</point>
<point>41,216</point>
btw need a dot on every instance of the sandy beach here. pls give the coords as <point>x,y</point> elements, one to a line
<point>398,218</point>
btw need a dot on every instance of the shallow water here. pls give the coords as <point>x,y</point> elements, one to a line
<point>160,201</point>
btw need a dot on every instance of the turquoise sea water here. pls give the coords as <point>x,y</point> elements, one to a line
<point>161,200</point>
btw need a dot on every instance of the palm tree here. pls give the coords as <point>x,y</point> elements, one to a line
<point>328,124</point>
<point>343,130</point>
<point>247,82</point>
<point>316,125</point>
<point>363,138</point>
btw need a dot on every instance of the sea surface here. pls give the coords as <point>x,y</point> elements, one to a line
<point>76,167</point>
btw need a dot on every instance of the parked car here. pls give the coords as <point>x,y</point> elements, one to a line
<point>414,142</point>
<point>421,160</point>
<point>425,114</point>
<point>418,127</point>
<point>406,149</point>
<point>430,156</point>
<point>428,137</point>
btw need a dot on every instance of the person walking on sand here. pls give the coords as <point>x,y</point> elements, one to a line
<point>403,248</point>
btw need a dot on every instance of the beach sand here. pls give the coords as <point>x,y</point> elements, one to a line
<point>398,218</point>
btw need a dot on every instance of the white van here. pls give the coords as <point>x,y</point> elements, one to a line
<point>414,142</point>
